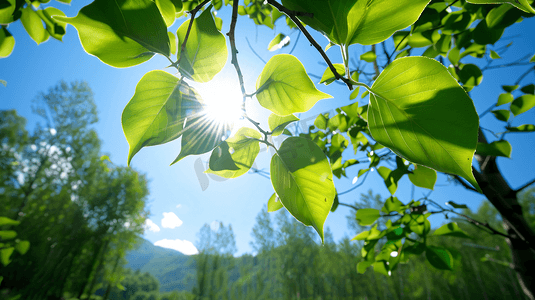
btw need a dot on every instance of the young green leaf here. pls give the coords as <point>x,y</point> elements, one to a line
<point>522,128</point>
<point>528,89</point>
<point>5,253</point>
<point>7,11</point>
<point>7,221</point>
<point>121,33</point>
<point>367,216</point>
<point>504,99</point>
<point>451,229</point>
<point>279,42</point>
<point>285,88</point>
<point>22,247</point>
<point>455,205</point>
<point>520,4</point>
<point>172,42</point>
<point>494,55</point>
<point>423,177</point>
<point>278,123</point>
<point>7,234</point>
<point>328,76</point>
<point>347,22</point>
<point>7,42</point>
<point>302,178</point>
<point>363,265</point>
<point>369,56</point>
<point>167,9</point>
<point>33,25</point>
<point>55,28</point>
<point>439,258</point>
<point>235,156</point>
<point>532,59</point>
<point>509,88</point>
<point>411,102</point>
<point>201,134</point>
<point>502,114</point>
<point>390,177</point>
<point>392,204</point>
<point>522,104</point>
<point>156,113</point>
<point>206,49</point>
<point>497,148</point>
<point>274,203</point>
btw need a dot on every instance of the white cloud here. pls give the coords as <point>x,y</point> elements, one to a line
<point>170,220</point>
<point>183,246</point>
<point>151,226</point>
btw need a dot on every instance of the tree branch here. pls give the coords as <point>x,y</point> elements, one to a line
<point>292,16</point>
<point>348,205</point>
<point>193,12</point>
<point>234,51</point>
<point>525,186</point>
<point>464,184</point>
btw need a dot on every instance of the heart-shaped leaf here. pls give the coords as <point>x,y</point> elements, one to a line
<point>235,156</point>
<point>497,148</point>
<point>451,229</point>
<point>420,112</point>
<point>367,216</point>
<point>439,258</point>
<point>158,110</point>
<point>504,99</point>
<point>302,177</point>
<point>522,104</point>
<point>206,49</point>
<point>502,114</point>
<point>121,33</point>
<point>285,88</point>
<point>277,123</point>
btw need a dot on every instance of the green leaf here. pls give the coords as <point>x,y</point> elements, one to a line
<point>55,28</point>
<point>121,33</point>
<point>7,221</point>
<point>328,76</point>
<point>235,156</point>
<point>520,4</point>
<point>302,177</point>
<point>354,93</point>
<point>532,59</point>
<point>7,42</point>
<point>455,205</point>
<point>7,234</point>
<point>363,265</point>
<point>7,11</point>
<point>367,216</point>
<point>423,177</point>
<point>390,177</point>
<point>470,75</point>
<point>422,114</point>
<point>201,134</point>
<point>279,42</point>
<point>336,202</point>
<point>206,49</point>
<point>494,55</point>
<point>392,204</point>
<point>522,128</point>
<point>504,99</point>
<point>509,88</point>
<point>528,89</point>
<point>497,148</point>
<point>274,203</point>
<point>501,114</point>
<point>451,229</point>
<point>278,123</point>
<point>3,82</point>
<point>347,22</point>
<point>5,254</point>
<point>167,9</point>
<point>381,268</point>
<point>173,42</point>
<point>369,56</point>
<point>439,258</point>
<point>34,25</point>
<point>321,122</point>
<point>156,113</point>
<point>285,88</point>
<point>522,104</point>
<point>22,247</point>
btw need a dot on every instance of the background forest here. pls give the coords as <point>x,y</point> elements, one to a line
<point>83,217</point>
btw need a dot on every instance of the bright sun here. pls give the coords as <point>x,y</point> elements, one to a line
<point>223,101</point>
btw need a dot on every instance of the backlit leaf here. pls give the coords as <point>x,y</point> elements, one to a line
<point>494,55</point>
<point>55,28</point>
<point>509,88</point>
<point>522,128</point>
<point>7,234</point>
<point>156,113</point>
<point>423,177</point>
<point>7,221</point>
<point>367,216</point>
<point>206,49</point>
<point>279,42</point>
<point>285,88</point>
<point>522,104</point>
<point>302,177</point>
<point>502,114</point>
<point>121,33</point>
<point>235,156</point>
<point>277,123</point>
<point>504,99</point>
<point>451,229</point>
<point>5,253</point>
<point>422,114</point>
<point>7,42</point>
<point>369,56</point>
<point>328,76</point>
<point>497,148</point>
<point>34,25</point>
<point>520,4</point>
<point>274,203</point>
<point>22,247</point>
<point>167,9</point>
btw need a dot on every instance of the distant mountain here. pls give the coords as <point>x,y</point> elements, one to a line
<point>174,270</point>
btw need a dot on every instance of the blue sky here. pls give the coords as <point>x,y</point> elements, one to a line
<point>182,198</point>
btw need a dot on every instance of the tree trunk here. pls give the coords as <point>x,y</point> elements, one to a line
<point>97,269</point>
<point>505,200</point>
<point>90,270</point>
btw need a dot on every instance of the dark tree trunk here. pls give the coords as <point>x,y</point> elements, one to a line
<point>505,200</point>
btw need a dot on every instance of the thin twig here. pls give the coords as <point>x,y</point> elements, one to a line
<point>296,40</point>
<point>292,16</point>
<point>356,186</point>
<point>348,205</point>
<point>524,75</point>
<point>234,51</point>
<point>255,53</point>
<point>525,186</point>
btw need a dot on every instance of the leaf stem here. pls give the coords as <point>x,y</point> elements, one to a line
<point>193,12</point>
<point>292,15</point>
